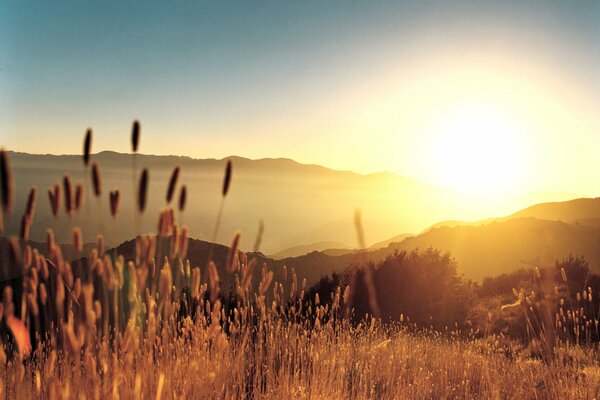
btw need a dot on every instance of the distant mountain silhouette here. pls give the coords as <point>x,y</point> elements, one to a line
<point>583,211</point>
<point>326,247</point>
<point>541,233</point>
<point>485,250</point>
<point>452,223</point>
<point>307,204</point>
<point>503,246</point>
<point>386,243</point>
<point>292,199</point>
<point>299,203</point>
<point>578,210</point>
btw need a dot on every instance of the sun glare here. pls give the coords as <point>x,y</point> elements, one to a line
<point>478,149</point>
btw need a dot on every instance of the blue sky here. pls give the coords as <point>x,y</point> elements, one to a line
<point>269,79</point>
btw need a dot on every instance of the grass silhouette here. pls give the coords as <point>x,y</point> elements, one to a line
<point>154,326</point>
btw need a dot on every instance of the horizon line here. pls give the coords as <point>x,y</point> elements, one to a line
<point>371,174</point>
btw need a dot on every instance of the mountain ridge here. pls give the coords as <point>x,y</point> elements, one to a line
<point>290,197</point>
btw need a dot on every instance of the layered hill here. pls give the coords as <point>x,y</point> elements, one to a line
<point>310,267</point>
<point>480,251</point>
<point>307,204</point>
<point>539,234</point>
<point>326,247</point>
<point>299,203</point>
<point>585,211</point>
<point>502,246</point>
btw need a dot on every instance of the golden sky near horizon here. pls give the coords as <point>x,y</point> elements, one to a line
<point>495,100</point>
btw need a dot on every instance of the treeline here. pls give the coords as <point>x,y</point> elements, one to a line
<point>417,287</point>
<point>423,288</point>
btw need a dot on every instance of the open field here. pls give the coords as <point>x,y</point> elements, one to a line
<point>148,324</point>
<point>291,362</point>
<point>323,200</point>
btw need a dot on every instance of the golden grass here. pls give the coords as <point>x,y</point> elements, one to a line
<point>284,360</point>
<point>154,326</point>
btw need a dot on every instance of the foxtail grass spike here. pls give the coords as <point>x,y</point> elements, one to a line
<point>77,240</point>
<point>184,242</point>
<point>55,199</point>
<point>233,252</point>
<point>182,198</point>
<point>50,241</point>
<point>172,185</point>
<point>87,146</point>
<point>68,189</point>
<point>114,202</point>
<point>25,226</point>
<point>96,180</point>
<point>78,196</point>
<point>227,180</point>
<point>30,209</point>
<point>135,136</point>
<point>100,246</point>
<point>142,191</point>
<point>214,281</point>
<point>359,229</point>
<point>7,184</point>
<point>14,251</point>
<point>259,234</point>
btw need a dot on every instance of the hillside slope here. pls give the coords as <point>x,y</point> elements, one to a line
<point>299,203</point>
<point>502,246</point>
<point>577,210</point>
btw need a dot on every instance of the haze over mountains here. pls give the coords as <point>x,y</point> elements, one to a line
<point>502,246</point>
<point>538,235</point>
<point>327,247</point>
<point>299,204</point>
<point>308,208</point>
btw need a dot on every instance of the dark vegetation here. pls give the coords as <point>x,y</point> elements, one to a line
<point>423,288</point>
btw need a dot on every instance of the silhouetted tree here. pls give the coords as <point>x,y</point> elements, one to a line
<point>422,285</point>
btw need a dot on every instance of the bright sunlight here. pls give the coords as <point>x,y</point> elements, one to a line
<point>479,149</point>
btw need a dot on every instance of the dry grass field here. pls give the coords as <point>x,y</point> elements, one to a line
<point>154,326</point>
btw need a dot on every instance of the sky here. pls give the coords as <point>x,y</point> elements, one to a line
<point>484,96</point>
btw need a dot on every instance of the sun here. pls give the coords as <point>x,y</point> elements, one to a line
<point>478,149</point>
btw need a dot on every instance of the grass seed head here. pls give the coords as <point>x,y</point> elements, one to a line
<point>166,282</point>
<point>7,184</point>
<point>563,275</point>
<point>184,242</point>
<point>172,184</point>
<point>96,180</point>
<point>232,255</point>
<point>227,179</point>
<point>195,287</point>
<point>114,202</point>
<point>135,135</point>
<point>182,198</point>
<point>69,198</point>
<point>142,191</point>
<point>31,199</point>
<point>55,199</point>
<point>14,252</point>
<point>214,281</point>
<point>87,146</point>
<point>259,235</point>
<point>78,196</point>
<point>77,240</point>
<point>25,226</point>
